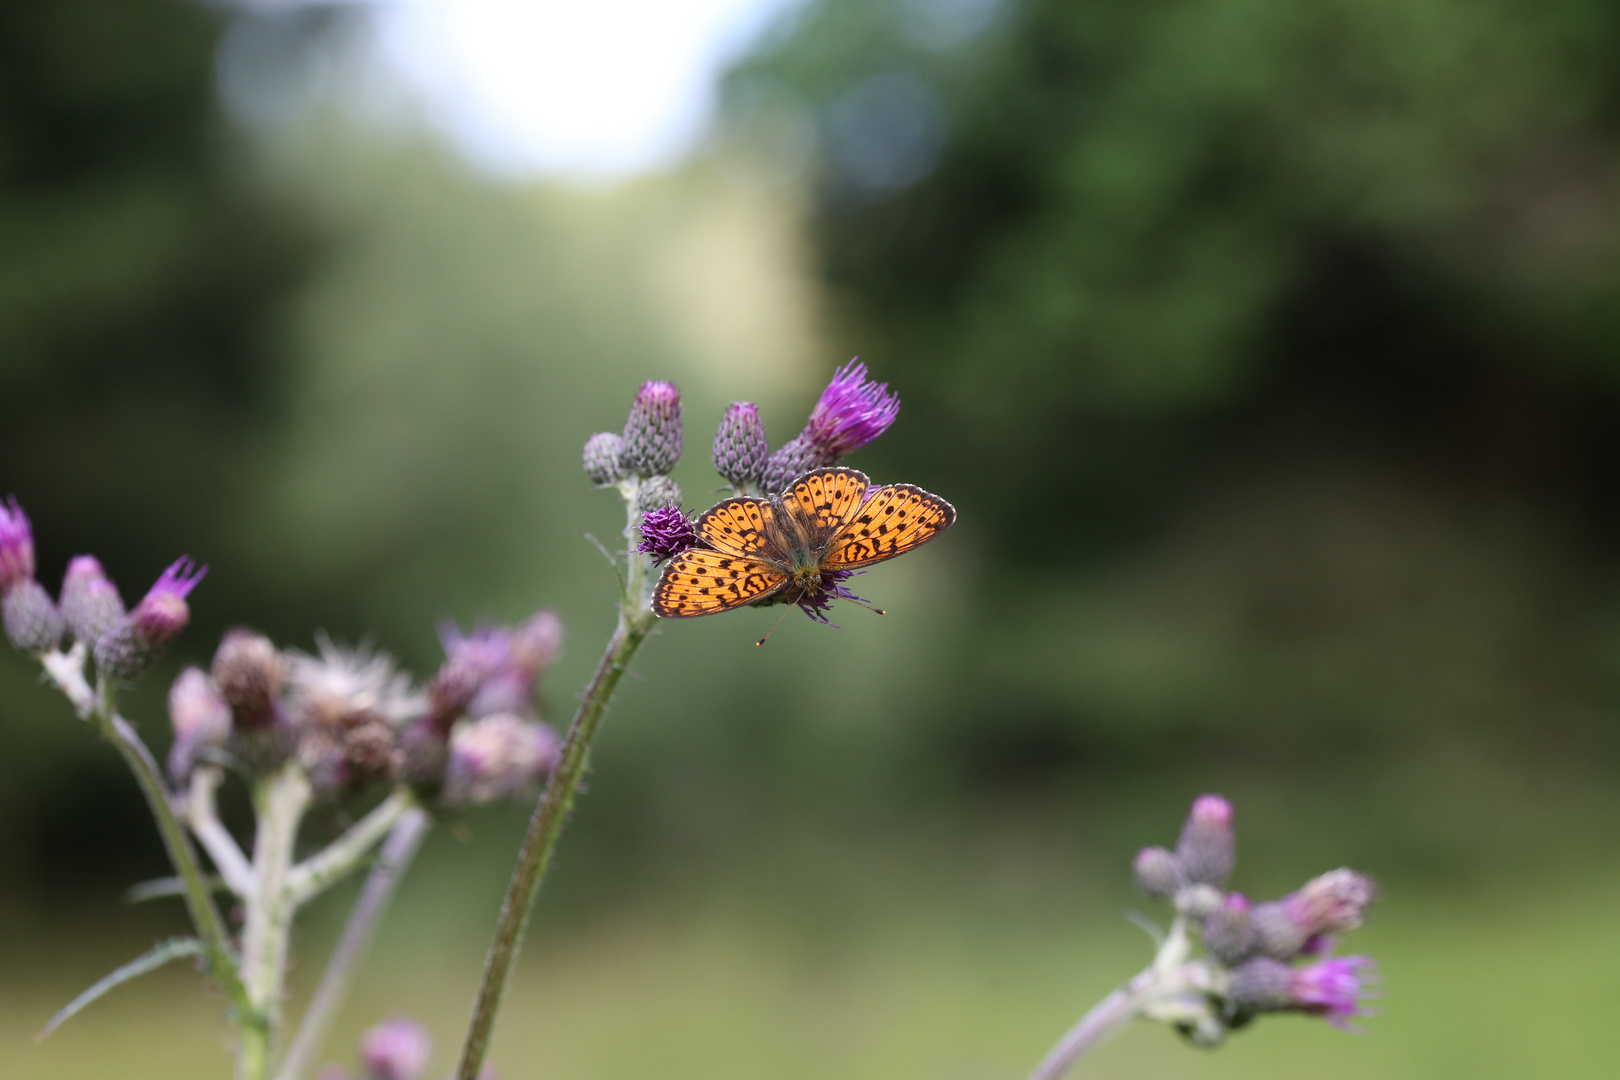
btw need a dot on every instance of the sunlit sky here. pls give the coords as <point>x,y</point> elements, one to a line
<point>603,87</point>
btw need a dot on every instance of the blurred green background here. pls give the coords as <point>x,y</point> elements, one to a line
<point>1270,352</point>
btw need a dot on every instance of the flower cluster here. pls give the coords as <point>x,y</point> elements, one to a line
<point>123,643</point>
<point>349,717</point>
<point>851,412</point>
<point>1266,957</point>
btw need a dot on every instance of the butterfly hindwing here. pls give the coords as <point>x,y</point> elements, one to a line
<point>893,520</point>
<point>738,527</point>
<point>699,581</point>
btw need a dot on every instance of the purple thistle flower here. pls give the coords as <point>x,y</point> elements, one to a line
<point>791,460</point>
<point>1334,989</point>
<point>853,411</point>
<point>1302,922</point>
<point>134,641</point>
<point>396,1049</point>
<point>32,621</point>
<point>665,533</point>
<point>497,756</point>
<point>818,604</point>
<point>16,546</point>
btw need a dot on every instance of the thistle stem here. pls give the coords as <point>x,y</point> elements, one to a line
<point>203,816</point>
<point>320,872</point>
<point>222,965</point>
<point>397,852</point>
<point>635,623</point>
<point>279,803</point>
<point>1107,1016</point>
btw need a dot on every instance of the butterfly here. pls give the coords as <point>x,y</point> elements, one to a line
<point>796,547</point>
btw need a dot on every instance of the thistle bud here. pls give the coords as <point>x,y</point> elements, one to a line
<point>250,674</point>
<point>31,620</point>
<point>1299,923</point>
<point>1207,847</point>
<point>451,691</point>
<point>603,454</point>
<point>396,1049</point>
<point>133,643</point>
<point>652,434</point>
<point>1158,873</point>
<point>1229,931</point>
<point>1262,985</point>
<point>497,756</point>
<point>657,493</point>
<point>16,546</point>
<point>422,756</point>
<point>90,602</point>
<point>790,461</point>
<point>201,721</point>
<point>740,449</point>
<point>537,642</point>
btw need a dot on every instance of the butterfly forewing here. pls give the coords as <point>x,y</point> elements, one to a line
<point>824,501</point>
<point>893,520</point>
<point>738,527</point>
<point>701,582</point>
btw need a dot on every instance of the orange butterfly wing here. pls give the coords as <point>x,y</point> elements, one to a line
<point>892,521</point>
<point>739,527</point>
<point>823,501</point>
<point>701,582</point>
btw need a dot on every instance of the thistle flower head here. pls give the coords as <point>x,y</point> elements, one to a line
<point>818,604</point>
<point>1207,849</point>
<point>32,621</point>
<point>201,720</point>
<point>16,545</point>
<point>130,646</point>
<point>652,434</point>
<point>341,687</point>
<point>740,449</point>
<point>665,533</point>
<point>396,1049</point>
<point>493,669</point>
<point>1334,988</point>
<point>1333,902</point>
<point>1229,930</point>
<point>603,454</point>
<point>1158,873</point>
<point>497,756</point>
<point>90,602</point>
<point>658,492</point>
<point>792,459</point>
<point>852,411</point>
<point>250,674</point>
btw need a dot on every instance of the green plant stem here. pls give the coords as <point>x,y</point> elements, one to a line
<point>210,926</point>
<point>635,623</point>
<point>1107,1016</point>
<point>397,852</point>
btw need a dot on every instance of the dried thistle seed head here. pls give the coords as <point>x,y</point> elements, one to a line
<point>90,602</point>
<point>652,434</point>
<point>740,449</point>
<point>604,453</point>
<point>657,493</point>
<point>497,756</point>
<point>134,642</point>
<point>32,621</point>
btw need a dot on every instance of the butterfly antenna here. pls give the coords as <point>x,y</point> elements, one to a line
<point>864,604</point>
<point>772,630</point>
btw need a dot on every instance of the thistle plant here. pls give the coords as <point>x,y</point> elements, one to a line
<point>1272,957</point>
<point>347,727</point>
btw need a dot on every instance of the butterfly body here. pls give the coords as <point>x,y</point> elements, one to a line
<point>797,546</point>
